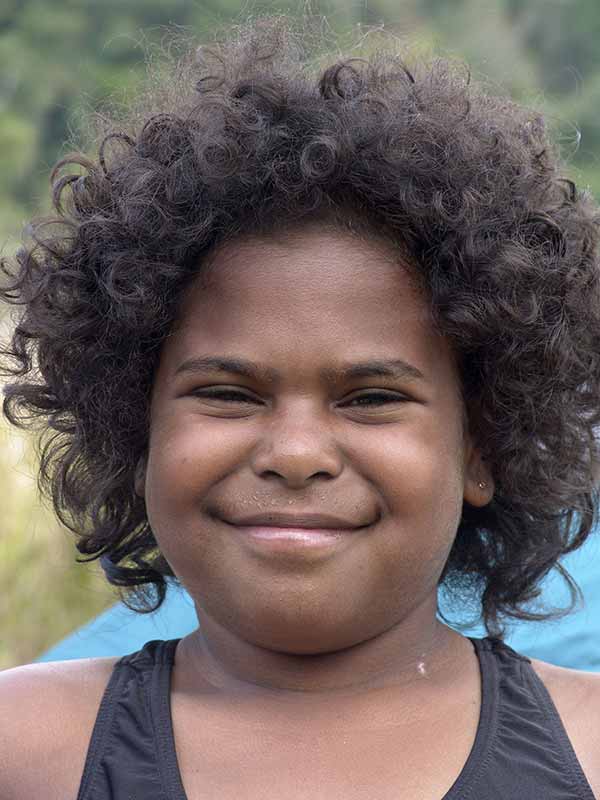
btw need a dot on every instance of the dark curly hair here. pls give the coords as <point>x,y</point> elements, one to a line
<point>261,131</point>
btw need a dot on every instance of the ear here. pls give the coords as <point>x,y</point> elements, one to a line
<point>478,480</point>
<point>140,477</point>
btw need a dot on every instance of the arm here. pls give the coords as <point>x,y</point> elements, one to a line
<point>47,714</point>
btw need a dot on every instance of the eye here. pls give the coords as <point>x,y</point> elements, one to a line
<point>364,400</point>
<point>377,399</point>
<point>226,395</point>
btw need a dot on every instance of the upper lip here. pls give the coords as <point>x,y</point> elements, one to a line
<point>306,520</point>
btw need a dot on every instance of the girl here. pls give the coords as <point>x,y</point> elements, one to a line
<point>312,339</point>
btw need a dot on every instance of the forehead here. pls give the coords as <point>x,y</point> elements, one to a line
<point>312,296</point>
<point>316,264</point>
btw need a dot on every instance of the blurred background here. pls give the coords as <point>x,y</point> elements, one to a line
<point>60,59</point>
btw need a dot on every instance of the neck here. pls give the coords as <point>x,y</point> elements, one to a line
<point>416,650</point>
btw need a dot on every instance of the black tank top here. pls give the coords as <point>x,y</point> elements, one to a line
<point>521,749</point>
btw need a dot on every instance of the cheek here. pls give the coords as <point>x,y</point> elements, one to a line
<point>186,456</point>
<point>187,459</point>
<point>417,461</point>
<point>420,478</point>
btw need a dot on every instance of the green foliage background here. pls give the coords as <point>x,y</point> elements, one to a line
<point>62,58</point>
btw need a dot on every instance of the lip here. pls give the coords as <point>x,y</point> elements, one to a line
<point>294,537</point>
<point>306,535</point>
<point>308,521</point>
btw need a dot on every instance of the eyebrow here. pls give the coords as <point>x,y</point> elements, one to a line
<point>379,368</point>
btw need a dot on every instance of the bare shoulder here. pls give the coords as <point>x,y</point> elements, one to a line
<point>576,695</point>
<point>47,714</point>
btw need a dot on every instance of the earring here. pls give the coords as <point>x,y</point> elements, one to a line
<point>482,484</point>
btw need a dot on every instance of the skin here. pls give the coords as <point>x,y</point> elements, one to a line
<point>363,614</point>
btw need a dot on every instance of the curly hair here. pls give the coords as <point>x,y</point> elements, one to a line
<point>258,131</point>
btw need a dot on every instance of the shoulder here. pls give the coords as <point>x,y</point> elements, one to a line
<point>576,695</point>
<point>47,714</point>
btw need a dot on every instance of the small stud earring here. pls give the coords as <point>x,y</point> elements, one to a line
<point>482,484</point>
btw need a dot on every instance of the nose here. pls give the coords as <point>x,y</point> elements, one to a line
<point>297,447</point>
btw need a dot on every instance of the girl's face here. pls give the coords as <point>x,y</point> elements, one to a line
<point>302,377</point>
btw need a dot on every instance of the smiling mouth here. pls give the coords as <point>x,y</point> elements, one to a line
<point>294,539</point>
<point>299,535</point>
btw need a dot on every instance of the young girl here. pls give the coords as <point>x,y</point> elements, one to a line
<point>314,339</point>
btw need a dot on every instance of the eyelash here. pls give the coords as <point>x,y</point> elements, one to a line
<point>221,394</point>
